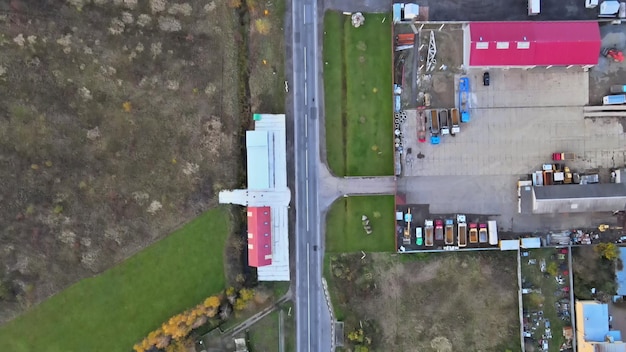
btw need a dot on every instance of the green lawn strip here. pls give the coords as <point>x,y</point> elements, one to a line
<point>369,97</point>
<point>264,335</point>
<point>344,230</point>
<point>114,310</point>
<point>333,92</point>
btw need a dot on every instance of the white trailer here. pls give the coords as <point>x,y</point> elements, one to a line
<point>493,232</point>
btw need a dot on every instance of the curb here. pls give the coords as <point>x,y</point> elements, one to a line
<point>332,315</point>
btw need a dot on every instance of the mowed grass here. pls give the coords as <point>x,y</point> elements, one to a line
<point>113,311</point>
<point>344,230</point>
<point>358,95</point>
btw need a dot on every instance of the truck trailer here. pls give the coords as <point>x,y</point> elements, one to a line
<point>493,232</point>
<point>438,230</point>
<point>473,233</point>
<point>443,122</point>
<point>454,121</point>
<point>421,125</point>
<point>461,230</point>
<point>434,127</point>
<point>482,233</point>
<point>614,99</point>
<point>428,233</point>
<point>449,231</point>
<point>464,105</point>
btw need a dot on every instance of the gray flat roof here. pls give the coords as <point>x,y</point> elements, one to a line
<point>598,190</point>
<point>259,165</point>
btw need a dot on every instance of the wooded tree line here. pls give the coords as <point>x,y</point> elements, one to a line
<point>169,335</point>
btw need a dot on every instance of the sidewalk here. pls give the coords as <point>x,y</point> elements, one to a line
<point>332,187</point>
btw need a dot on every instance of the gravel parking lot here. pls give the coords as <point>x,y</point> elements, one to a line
<point>517,123</point>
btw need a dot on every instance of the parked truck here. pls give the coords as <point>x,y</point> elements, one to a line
<point>434,127</point>
<point>614,99</point>
<point>482,233</point>
<point>493,232</point>
<point>428,233</point>
<point>438,230</point>
<point>408,218</point>
<point>464,105</point>
<point>449,231</point>
<point>473,233</point>
<point>563,156</point>
<point>461,230</point>
<point>443,122</point>
<point>618,89</point>
<point>421,125</point>
<point>454,121</point>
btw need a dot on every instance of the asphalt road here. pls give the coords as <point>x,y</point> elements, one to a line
<point>312,315</point>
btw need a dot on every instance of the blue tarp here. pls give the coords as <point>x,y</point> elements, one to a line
<point>620,275</point>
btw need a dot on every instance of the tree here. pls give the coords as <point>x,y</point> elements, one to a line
<point>552,268</point>
<point>240,304</point>
<point>246,294</point>
<point>608,250</point>
<point>263,26</point>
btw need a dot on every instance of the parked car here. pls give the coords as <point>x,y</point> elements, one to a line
<point>486,79</point>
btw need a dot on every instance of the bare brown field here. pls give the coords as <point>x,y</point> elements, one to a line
<point>438,302</point>
<point>119,121</point>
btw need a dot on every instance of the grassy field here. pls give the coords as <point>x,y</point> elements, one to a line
<point>444,302</point>
<point>344,230</point>
<point>358,97</point>
<point>116,309</point>
<point>264,336</point>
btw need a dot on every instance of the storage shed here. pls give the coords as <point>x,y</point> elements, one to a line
<point>579,198</point>
<point>529,44</point>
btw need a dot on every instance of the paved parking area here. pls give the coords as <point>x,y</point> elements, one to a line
<point>516,125</point>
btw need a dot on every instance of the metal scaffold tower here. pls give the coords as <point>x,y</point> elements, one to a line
<point>431,61</point>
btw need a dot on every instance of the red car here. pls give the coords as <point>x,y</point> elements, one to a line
<point>563,251</point>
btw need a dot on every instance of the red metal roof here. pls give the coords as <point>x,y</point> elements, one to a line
<point>534,43</point>
<point>259,236</point>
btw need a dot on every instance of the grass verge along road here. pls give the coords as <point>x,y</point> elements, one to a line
<point>116,309</point>
<point>358,97</point>
<point>344,228</point>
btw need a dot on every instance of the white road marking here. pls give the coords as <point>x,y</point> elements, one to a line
<point>305,95</point>
<point>305,63</point>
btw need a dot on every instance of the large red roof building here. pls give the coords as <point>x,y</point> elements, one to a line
<point>527,44</point>
<point>259,236</point>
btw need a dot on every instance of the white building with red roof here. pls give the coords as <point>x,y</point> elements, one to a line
<point>266,198</point>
